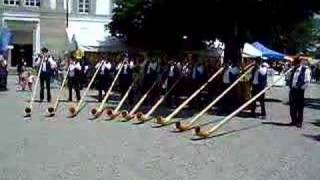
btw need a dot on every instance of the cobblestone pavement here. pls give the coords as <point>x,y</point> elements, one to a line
<point>61,148</point>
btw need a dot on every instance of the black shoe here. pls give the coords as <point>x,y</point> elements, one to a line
<point>41,100</point>
<point>299,125</point>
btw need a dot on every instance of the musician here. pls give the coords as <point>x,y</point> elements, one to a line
<point>298,82</point>
<point>46,72</point>
<point>230,75</point>
<point>259,82</point>
<point>151,70</point>
<point>74,78</point>
<point>104,77</point>
<point>126,78</point>
<point>171,75</point>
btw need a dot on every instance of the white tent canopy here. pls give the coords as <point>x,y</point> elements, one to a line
<point>250,51</point>
<point>92,37</point>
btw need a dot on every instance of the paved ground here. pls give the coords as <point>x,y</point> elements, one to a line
<point>61,148</point>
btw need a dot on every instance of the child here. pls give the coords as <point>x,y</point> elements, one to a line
<point>30,80</point>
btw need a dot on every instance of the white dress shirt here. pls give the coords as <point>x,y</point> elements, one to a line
<point>307,77</point>
<point>262,70</point>
<point>49,59</point>
<point>226,79</point>
<point>171,72</point>
<point>74,66</point>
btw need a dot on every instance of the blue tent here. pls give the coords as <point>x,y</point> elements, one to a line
<point>268,53</point>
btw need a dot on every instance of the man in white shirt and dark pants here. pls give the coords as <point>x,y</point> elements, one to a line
<point>259,82</point>
<point>46,72</point>
<point>74,78</point>
<point>298,82</point>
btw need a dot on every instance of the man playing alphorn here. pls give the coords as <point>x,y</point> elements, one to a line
<point>104,78</point>
<point>74,78</point>
<point>259,82</point>
<point>46,73</point>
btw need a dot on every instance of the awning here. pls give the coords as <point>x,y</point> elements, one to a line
<point>250,51</point>
<point>92,37</point>
<point>268,53</point>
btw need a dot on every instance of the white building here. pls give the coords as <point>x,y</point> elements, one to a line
<point>42,23</point>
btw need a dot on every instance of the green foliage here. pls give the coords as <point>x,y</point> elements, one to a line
<point>162,23</point>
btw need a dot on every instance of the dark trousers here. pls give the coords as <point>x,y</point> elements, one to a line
<point>172,98</point>
<point>124,85</point>
<point>256,90</point>
<point>74,83</point>
<point>45,79</point>
<point>296,101</point>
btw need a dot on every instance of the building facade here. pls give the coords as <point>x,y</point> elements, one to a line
<point>46,23</point>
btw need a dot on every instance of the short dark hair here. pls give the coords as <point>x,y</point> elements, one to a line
<point>44,50</point>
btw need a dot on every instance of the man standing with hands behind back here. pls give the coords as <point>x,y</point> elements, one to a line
<point>299,80</point>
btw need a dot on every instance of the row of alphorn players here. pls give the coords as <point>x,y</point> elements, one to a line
<point>173,74</point>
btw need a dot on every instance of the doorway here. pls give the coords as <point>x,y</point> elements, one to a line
<point>22,51</point>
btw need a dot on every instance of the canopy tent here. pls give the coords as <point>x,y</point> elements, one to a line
<point>268,53</point>
<point>250,51</point>
<point>92,37</point>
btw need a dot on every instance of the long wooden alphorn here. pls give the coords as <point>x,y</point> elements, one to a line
<point>52,110</point>
<point>75,110</point>
<point>166,120</point>
<point>207,133</point>
<point>143,117</point>
<point>131,114</point>
<point>115,113</point>
<point>183,127</point>
<point>97,112</point>
<point>28,109</point>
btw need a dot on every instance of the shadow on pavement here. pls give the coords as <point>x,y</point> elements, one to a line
<point>229,132</point>
<point>316,123</point>
<point>277,123</point>
<point>314,137</point>
<point>312,103</point>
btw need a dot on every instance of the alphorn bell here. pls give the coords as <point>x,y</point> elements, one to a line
<point>184,127</point>
<point>166,120</point>
<point>97,112</point>
<point>52,110</point>
<point>207,133</point>
<point>75,110</point>
<point>143,117</point>
<point>131,114</point>
<point>115,113</point>
<point>28,109</point>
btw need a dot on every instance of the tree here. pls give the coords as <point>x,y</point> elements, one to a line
<point>163,23</point>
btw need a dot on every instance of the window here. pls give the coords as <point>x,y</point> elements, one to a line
<point>11,2</point>
<point>32,3</point>
<point>84,6</point>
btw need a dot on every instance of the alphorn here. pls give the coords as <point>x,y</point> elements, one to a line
<point>52,110</point>
<point>143,117</point>
<point>28,109</point>
<point>207,133</point>
<point>184,127</point>
<point>166,120</point>
<point>97,112</point>
<point>75,110</point>
<point>115,113</point>
<point>131,114</point>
